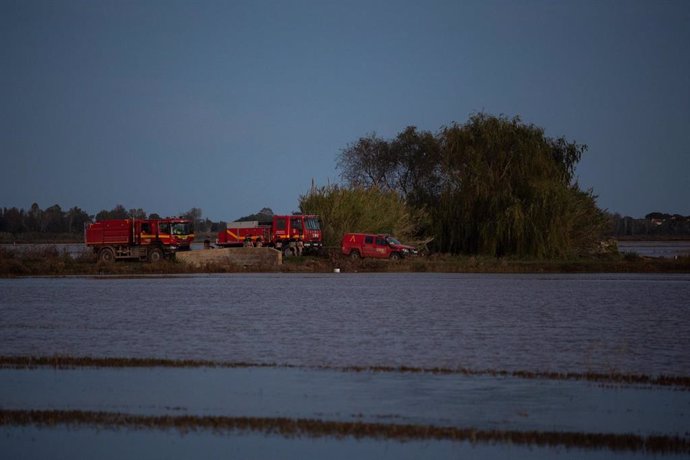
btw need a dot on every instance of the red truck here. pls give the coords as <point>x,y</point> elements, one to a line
<point>142,239</point>
<point>356,245</point>
<point>282,233</point>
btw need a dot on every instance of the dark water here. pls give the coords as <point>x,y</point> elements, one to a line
<point>627,323</point>
<point>71,443</point>
<point>483,402</point>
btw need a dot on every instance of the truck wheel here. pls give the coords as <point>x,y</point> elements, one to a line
<point>354,255</point>
<point>106,255</point>
<point>395,256</point>
<point>155,255</point>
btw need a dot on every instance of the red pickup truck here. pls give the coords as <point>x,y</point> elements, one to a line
<point>356,245</point>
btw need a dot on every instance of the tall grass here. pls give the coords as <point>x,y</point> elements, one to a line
<point>360,209</point>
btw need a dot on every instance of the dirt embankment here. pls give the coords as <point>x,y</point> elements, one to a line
<point>49,261</point>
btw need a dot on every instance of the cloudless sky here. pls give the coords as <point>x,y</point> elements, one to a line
<point>232,106</point>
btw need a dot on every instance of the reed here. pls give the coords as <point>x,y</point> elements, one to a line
<point>69,362</point>
<point>291,427</point>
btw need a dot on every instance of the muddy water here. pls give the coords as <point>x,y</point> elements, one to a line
<point>320,324</point>
<point>626,323</point>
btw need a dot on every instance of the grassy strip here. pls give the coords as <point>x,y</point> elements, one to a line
<point>48,261</point>
<point>68,362</point>
<point>318,428</point>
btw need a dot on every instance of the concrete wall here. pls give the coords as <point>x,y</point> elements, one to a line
<point>237,258</point>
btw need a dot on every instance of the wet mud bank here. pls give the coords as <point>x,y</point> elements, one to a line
<point>72,362</point>
<point>318,428</point>
<point>52,260</point>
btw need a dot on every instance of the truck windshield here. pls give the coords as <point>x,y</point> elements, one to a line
<point>392,240</point>
<point>313,223</point>
<point>182,228</point>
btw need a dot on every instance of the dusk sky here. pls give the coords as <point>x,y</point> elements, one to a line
<point>232,106</point>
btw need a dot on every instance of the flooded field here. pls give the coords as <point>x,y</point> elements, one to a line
<point>628,323</point>
<point>454,365</point>
<point>668,249</point>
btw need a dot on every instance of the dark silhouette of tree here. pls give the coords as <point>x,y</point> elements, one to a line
<point>53,220</point>
<point>76,220</point>
<point>14,220</point>
<point>493,185</point>
<point>195,215</point>
<point>264,216</point>
<point>118,212</point>
<point>34,219</point>
<point>137,213</point>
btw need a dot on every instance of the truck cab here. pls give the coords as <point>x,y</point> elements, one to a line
<point>296,227</point>
<point>379,246</point>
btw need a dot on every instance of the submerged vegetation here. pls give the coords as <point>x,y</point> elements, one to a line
<point>72,362</point>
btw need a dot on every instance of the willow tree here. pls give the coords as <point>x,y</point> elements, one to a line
<point>493,185</point>
<point>509,189</point>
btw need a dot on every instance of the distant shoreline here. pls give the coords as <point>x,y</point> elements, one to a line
<point>638,238</point>
<point>67,240</point>
<point>48,261</point>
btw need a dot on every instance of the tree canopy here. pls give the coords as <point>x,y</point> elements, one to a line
<point>493,185</point>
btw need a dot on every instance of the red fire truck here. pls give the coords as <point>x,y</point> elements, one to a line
<point>279,233</point>
<point>143,239</point>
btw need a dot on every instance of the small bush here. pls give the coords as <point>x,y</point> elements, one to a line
<point>631,257</point>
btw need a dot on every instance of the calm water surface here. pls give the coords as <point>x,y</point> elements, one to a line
<point>483,402</point>
<point>71,443</point>
<point>667,249</point>
<point>628,323</point>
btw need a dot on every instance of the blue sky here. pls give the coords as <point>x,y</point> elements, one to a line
<point>231,106</point>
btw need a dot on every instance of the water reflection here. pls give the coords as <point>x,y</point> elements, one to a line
<point>486,403</point>
<point>62,442</point>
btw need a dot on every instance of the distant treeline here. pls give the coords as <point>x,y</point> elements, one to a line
<point>655,224</point>
<point>53,220</point>
<point>36,223</point>
<point>36,220</point>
